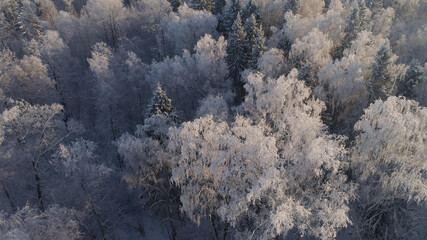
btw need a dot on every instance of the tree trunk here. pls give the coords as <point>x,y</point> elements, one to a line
<point>212,220</point>
<point>8,196</point>
<point>95,214</point>
<point>38,185</point>
<point>119,159</point>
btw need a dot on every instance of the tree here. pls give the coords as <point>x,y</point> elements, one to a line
<point>258,48</point>
<point>160,103</point>
<point>30,133</point>
<point>56,223</point>
<point>356,23</point>
<point>266,173</point>
<point>293,5</point>
<point>207,5</point>
<point>106,15</point>
<point>186,27</point>
<point>309,54</point>
<point>192,77</point>
<point>250,9</point>
<point>28,80</point>
<point>9,13</point>
<point>148,165</point>
<point>388,160</point>
<point>175,4</point>
<point>55,54</point>
<point>382,81</point>
<point>414,77</point>
<point>46,10</point>
<point>219,5</point>
<point>237,57</point>
<point>285,44</point>
<point>27,22</point>
<point>255,40</point>
<point>84,185</point>
<point>229,17</point>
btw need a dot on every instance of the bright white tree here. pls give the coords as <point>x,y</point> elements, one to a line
<point>388,159</point>
<point>269,173</point>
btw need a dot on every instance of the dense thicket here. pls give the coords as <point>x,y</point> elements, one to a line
<point>213,119</point>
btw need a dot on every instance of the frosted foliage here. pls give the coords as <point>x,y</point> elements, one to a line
<point>276,99</point>
<point>29,81</point>
<point>331,23</point>
<point>391,148</point>
<point>187,26</point>
<point>286,101</point>
<point>215,106</point>
<point>157,127</point>
<point>49,45</point>
<point>365,48</point>
<point>210,57</point>
<point>154,11</point>
<point>138,153</point>
<point>381,22</point>
<point>248,171</point>
<point>272,63</point>
<point>105,10</point>
<point>47,10</point>
<point>314,48</point>
<point>25,121</point>
<point>200,74</point>
<point>55,223</point>
<point>195,169</point>
<point>310,8</point>
<point>100,61</point>
<point>77,156</point>
<point>160,103</point>
<point>342,84</point>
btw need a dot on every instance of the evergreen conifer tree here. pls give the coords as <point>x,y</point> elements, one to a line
<point>250,9</point>
<point>219,5</point>
<point>160,103</point>
<point>251,27</point>
<point>413,77</point>
<point>237,59</point>
<point>255,40</point>
<point>382,80</point>
<point>230,16</point>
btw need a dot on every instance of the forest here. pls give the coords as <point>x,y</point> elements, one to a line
<point>213,119</point>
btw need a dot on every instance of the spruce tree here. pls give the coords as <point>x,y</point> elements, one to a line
<point>413,77</point>
<point>251,27</point>
<point>255,40</point>
<point>230,16</point>
<point>356,23</point>
<point>219,5</point>
<point>259,47</point>
<point>250,9</point>
<point>160,103</point>
<point>237,58</point>
<point>382,80</point>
